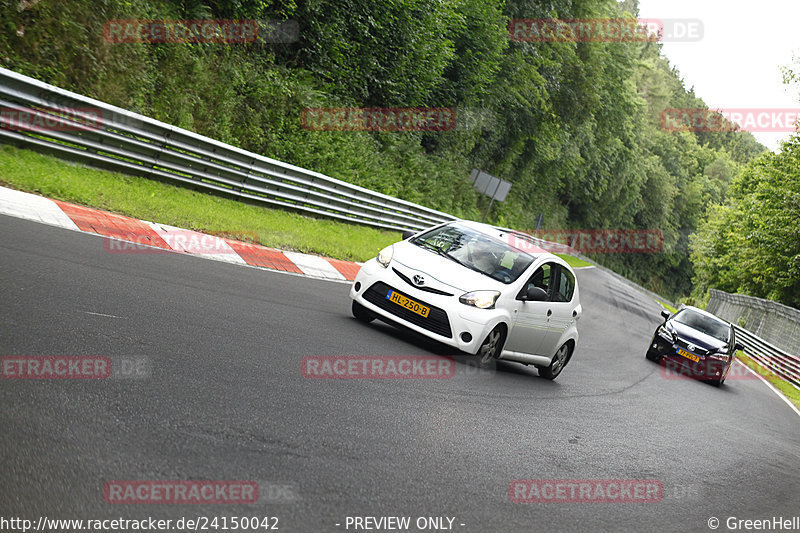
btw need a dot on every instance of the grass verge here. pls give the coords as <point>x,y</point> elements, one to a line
<point>573,261</point>
<point>667,306</point>
<point>787,389</point>
<point>160,202</point>
<point>177,206</point>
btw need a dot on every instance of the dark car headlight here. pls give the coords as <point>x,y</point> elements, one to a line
<point>720,356</point>
<point>665,334</point>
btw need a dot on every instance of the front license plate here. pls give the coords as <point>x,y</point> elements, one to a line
<point>687,355</point>
<point>408,303</point>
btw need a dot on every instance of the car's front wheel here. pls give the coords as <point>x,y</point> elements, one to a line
<point>558,363</point>
<point>362,313</point>
<point>492,345</point>
<point>652,355</point>
<point>720,381</point>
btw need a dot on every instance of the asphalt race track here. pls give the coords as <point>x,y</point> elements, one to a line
<point>223,398</point>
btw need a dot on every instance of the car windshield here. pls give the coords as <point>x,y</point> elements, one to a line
<point>477,251</point>
<point>706,324</point>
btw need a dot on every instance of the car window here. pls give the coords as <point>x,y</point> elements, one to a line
<point>708,325</point>
<point>566,286</point>
<point>477,251</point>
<point>542,278</point>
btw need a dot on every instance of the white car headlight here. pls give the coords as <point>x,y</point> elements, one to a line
<point>480,299</point>
<point>385,256</point>
<point>665,334</point>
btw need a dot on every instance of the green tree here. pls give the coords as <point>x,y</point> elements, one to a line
<point>751,244</point>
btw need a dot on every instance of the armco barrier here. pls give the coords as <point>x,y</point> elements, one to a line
<point>771,335</point>
<point>45,118</point>
<point>784,365</point>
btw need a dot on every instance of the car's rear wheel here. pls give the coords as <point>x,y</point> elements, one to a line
<point>558,363</point>
<point>362,313</point>
<point>492,345</point>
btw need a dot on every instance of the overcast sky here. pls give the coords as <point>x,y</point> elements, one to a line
<point>736,63</point>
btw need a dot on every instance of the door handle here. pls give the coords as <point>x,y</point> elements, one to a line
<point>574,314</point>
<point>549,312</point>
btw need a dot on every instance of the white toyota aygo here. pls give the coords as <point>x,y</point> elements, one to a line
<point>488,291</point>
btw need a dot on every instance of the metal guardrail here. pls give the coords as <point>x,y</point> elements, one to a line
<point>774,322</point>
<point>769,323</point>
<point>76,127</point>
<point>776,360</point>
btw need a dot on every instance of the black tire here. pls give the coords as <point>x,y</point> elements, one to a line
<point>362,313</point>
<point>718,382</point>
<point>560,360</point>
<point>653,356</point>
<point>492,345</point>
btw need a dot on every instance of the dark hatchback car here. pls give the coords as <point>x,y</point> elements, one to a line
<point>695,342</point>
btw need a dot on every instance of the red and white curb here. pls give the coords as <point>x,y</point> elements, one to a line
<point>139,236</point>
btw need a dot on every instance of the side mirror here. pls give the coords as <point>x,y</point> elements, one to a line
<point>738,346</point>
<point>408,233</point>
<point>665,314</point>
<point>535,294</point>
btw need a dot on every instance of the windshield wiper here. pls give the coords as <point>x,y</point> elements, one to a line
<point>438,249</point>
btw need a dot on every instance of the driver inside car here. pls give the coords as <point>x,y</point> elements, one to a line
<point>479,253</point>
<point>483,256</point>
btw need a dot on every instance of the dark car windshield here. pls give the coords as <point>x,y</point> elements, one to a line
<point>477,251</point>
<point>706,324</point>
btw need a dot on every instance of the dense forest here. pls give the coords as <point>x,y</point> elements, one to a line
<point>574,126</point>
